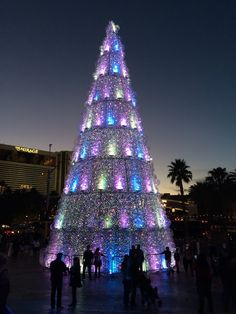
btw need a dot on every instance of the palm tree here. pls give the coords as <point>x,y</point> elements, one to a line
<point>217,176</point>
<point>179,173</point>
<point>232,176</point>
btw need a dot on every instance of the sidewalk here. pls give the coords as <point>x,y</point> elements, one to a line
<point>30,293</point>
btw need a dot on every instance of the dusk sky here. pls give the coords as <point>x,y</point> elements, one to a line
<point>181,57</point>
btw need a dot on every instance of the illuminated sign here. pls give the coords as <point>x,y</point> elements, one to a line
<point>25,186</point>
<point>26,150</point>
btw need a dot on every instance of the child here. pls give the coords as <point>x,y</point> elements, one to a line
<point>149,294</point>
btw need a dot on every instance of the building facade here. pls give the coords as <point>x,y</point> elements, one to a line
<point>26,168</point>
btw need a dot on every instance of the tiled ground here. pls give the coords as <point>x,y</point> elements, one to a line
<point>30,293</point>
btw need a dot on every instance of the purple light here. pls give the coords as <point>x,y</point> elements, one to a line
<point>128,96</point>
<point>66,189</point>
<point>124,219</point>
<point>154,260</point>
<point>90,99</point>
<point>148,186</point>
<point>102,70</point>
<point>95,149</point>
<point>107,47</point>
<point>119,183</point>
<point>98,121</point>
<point>128,151</point>
<point>123,122</point>
<point>150,218</point>
<point>76,156</point>
<point>84,183</point>
<point>106,93</point>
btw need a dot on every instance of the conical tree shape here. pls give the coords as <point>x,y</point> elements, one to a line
<point>110,198</point>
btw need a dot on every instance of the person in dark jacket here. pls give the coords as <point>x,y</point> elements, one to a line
<point>177,259</point>
<point>75,280</point>
<point>57,269</point>
<point>4,285</point>
<point>139,257</point>
<point>203,283</point>
<point>87,261</point>
<point>126,269</point>
<point>97,262</point>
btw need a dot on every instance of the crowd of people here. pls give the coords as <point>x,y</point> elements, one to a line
<point>58,268</point>
<point>187,259</point>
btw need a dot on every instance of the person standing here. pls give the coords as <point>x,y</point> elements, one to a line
<point>4,285</point>
<point>177,259</point>
<point>203,283</point>
<point>57,269</point>
<point>139,258</point>
<point>188,260</point>
<point>75,280</point>
<point>97,262</point>
<point>87,261</point>
<point>128,281</point>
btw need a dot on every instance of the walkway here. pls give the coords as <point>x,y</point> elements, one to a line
<point>30,293</point>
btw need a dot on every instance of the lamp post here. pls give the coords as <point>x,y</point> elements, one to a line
<point>48,192</point>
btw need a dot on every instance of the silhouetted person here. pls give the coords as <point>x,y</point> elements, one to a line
<point>133,252</point>
<point>4,285</point>
<point>188,260</point>
<point>177,259</point>
<point>57,269</point>
<point>75,280</point>
<point>97,262</point>
<point>203,282</point>
<point>87,261</point>
<point>167,255</point>
<point>128,281</point>
<point>139,258</point>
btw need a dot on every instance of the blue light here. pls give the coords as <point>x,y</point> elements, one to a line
<point>116,46</point>
<point>138,221</point>
<point>83,152</point>
<point>113,263</point>
<point>110,119</point>
<point>135,182</point>
<point>134,102</point>
<point>74,184</point>
<point>139,152</point>
<point>163,262</point>
<point>96,97</point>
<point>115,68</point>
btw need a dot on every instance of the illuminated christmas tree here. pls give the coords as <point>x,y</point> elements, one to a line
<point>110,199</point>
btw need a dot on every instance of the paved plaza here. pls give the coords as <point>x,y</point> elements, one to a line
<point>30,292</point>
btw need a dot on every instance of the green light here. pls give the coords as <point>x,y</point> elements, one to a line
<point>108,222</point>
<point>119,93</point>
<point>133,122</point>
<point>111,149</point>
<point>89,121</point>
<point>102,182</point>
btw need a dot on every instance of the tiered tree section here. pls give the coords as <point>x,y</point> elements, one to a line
<point>110,198</point>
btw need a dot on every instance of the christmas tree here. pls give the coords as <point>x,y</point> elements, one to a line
<point>110,199</point>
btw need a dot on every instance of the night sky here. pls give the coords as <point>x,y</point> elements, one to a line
<point>180,54</point>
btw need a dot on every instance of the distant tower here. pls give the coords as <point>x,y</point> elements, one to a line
<point>110,199</point>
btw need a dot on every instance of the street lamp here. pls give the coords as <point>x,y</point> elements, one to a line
<point>48,191</point>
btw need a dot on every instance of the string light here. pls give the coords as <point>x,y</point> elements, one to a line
<point>110,199</point>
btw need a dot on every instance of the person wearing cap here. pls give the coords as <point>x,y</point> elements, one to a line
<point>57,269</point>
<point>4,285</point>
